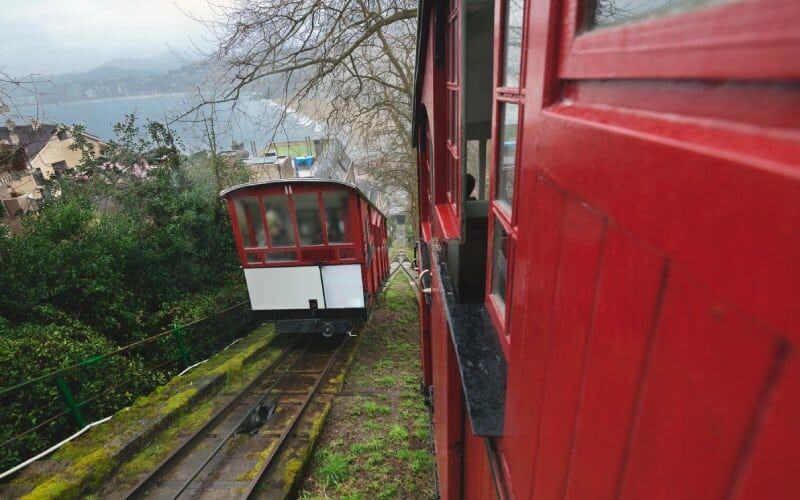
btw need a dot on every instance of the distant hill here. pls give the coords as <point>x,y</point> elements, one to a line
<point>122,77</point>
<point>123,68</point>
<point>160,64</point>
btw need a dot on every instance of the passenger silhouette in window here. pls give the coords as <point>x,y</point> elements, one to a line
<point>470,187</point>
<point>308,223</point>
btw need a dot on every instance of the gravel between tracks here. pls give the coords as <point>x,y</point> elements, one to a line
<point>376,442</point>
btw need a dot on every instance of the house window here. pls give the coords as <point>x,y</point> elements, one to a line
<point>60,167</point>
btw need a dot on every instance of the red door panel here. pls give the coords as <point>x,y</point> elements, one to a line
<point>478,482</point>
<point>581,255</point>
<point>705,383</point>
<point>769,461</point>
<point>447,401</point>
<point>531,340</point>
<point>628,295</point>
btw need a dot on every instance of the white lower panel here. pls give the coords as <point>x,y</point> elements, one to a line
<point>343,287</point>
<point>275,288</point>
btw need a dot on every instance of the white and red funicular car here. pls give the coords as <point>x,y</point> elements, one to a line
<point>314,251</point>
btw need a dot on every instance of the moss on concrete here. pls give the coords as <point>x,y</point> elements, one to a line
<point>291,471</point>
<point>92,458</point>
<point>262,456</point>
<point>85,473</point>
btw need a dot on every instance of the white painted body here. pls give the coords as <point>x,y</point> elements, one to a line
<point>286,288</point>
<point>343,287</point>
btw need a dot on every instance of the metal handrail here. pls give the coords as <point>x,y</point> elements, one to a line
<point>100,357</point>
<point>74,406</point>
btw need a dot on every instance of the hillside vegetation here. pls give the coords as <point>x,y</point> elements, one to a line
<point>113,257</point>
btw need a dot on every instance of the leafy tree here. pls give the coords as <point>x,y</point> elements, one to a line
<point>117,256</point>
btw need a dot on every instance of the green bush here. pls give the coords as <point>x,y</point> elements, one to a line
<point>112,259</point>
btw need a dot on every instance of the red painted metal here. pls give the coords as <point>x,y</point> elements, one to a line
<point>447,401</point>
<point>651,328</point>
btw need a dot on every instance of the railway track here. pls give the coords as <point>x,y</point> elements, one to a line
<point>233,453</point>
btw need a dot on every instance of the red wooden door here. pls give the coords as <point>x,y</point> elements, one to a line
<point>654,324</point>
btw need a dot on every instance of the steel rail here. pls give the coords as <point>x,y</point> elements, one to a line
<point>224,441</point>
<point>412,279</point>
<point>179,452</point>
<point>295,419</point>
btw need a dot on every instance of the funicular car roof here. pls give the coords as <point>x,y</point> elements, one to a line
<point>300,180</point>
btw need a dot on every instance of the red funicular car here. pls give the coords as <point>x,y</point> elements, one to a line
<point>314,251</point>
<point>609,201</point>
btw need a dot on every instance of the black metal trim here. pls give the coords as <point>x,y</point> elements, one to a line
<point>356,313</point>
<point>322,282</point>
<point>481,361</point>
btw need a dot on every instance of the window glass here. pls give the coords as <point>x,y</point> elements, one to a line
<point>477,172</point>
<point>611,12</point>
<point>253,258</point>
<point>337,213</point>
<point>279,221</point>
<point>306,207</point>
<point>499,263</point>
<point>280,256</point>
<point>508,155</point>
<point>512,47</point>
<point>247,207</point>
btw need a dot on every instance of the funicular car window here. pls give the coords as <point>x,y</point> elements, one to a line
<point>337,213</point>
<point>500,264</point>
<point>309,228</point>
<point>279,220</point>
<point>512,49</point>
<point>508,155</point>
<point>613,12</point>
<point>248,214</point>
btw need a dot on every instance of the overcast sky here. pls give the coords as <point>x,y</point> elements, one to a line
<point>62,36</point>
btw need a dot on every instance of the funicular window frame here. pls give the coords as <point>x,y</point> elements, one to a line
<point>298,252</point>
<point>503,215</point>
<point>749,39</point>
<point>447,174</point>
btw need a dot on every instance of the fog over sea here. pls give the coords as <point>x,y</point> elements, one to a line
<point>253,120</point>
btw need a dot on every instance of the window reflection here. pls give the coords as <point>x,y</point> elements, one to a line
<point>337,213</point>
<point>279,222</point>
<point>309,228</point>
<point>512,49</point>
<point>248,214</point>
<point>499,263</point>
<point>612,12</point>
<point>508,155</point>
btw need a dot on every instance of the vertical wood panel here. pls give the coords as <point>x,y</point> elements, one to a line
<point>627,297</point>
<point>478,482</point>
<point>770,468</point>
<point>581,255</point>
<point>448,413</point>
<point>535,288</point>
<point>710,365</point>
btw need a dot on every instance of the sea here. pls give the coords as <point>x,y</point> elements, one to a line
<point>251,121</point>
